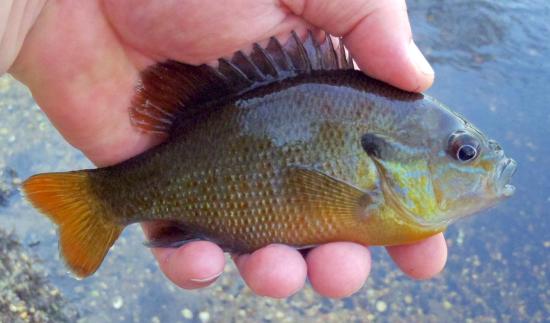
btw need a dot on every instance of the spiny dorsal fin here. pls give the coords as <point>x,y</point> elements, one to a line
<point>171,89</point>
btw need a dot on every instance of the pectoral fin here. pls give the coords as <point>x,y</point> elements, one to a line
<point>323,194</point>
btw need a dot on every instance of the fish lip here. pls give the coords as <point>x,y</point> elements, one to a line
<point>507,169</point>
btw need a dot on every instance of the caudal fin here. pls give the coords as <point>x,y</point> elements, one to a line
<point>85,233</point>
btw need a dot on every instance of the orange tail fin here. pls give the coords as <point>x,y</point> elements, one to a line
<point>85,233</point>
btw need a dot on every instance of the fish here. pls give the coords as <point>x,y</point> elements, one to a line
<point>285,144</point>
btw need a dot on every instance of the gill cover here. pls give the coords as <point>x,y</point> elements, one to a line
<point>407,178</point>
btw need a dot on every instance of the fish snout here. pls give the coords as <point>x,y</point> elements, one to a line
<point>494,146</point>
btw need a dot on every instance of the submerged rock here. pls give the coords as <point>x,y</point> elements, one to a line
<point>8,184</point>
<point>25,293</point>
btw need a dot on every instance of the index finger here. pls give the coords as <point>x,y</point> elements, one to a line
<point>378,35</point>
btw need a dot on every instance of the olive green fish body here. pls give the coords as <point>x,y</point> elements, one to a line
<point>286,145</point>
<point>226,175</point>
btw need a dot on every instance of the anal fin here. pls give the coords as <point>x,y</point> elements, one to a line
<point>168,234</point>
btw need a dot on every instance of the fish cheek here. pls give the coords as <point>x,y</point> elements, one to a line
<point>457,186</point>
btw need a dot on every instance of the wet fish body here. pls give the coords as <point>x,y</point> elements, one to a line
<point>233,175</point>
<point>287,145</point>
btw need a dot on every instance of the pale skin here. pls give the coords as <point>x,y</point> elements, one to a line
<point>81,60</point>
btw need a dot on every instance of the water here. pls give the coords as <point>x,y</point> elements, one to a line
<point>492,62</point>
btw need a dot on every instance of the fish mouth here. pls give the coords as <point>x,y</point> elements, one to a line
<point>506,169</point>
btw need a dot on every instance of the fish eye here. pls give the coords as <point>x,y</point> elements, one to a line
<point>466,153</point>
<point>463,147</point>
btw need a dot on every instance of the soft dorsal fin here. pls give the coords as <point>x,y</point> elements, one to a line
<point>168,90</point>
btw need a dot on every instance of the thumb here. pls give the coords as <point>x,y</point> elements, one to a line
<point>378,35</point>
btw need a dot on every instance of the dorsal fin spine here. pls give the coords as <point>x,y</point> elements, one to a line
<point>237,71</point>
<point>302,52</point>
<point>332,51</point>
<point>312,52</point>
<point>269,63</point>
<point>258,74</point>
<point>324,64</point>
<point>342,58</point>
<point>286,59</point>
<point>349,61</point>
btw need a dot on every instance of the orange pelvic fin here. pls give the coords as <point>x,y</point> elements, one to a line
<point>85,233</point>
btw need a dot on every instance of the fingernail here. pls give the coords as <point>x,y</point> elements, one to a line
<point>419,60</point>
<point>206,279</point>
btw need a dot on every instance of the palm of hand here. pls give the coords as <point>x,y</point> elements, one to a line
<point>81,61</point>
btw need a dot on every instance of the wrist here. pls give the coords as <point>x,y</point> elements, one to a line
<point>17,17</point>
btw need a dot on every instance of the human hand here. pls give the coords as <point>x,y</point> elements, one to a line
<point>82,59</point>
